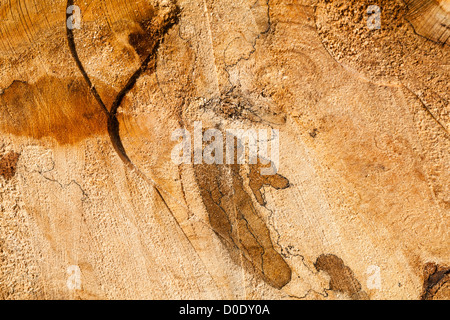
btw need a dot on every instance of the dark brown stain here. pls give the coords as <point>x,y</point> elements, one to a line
<point>257,181</point>
<point>342,278</point>
<point>234,218</point>
<point>314,133</point>
<point>151,28</point>
<point>8,165</point>
<point>63,109</point>
<point>141,41</point>
<point>436,284</point>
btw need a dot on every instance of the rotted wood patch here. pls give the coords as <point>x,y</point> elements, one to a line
<point>8,165</point>
<point>235,219</point>
<point>436,284</point>
<point>342,278</point>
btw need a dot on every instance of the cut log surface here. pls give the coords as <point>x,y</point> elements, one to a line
<point>431,19</point>
<point>93,204</point>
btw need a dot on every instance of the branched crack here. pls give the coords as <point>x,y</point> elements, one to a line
<point>113,122</point>
<point>63,186</point>
<point>427,109</point>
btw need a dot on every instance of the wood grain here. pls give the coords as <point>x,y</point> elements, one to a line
<point>87,181</point>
